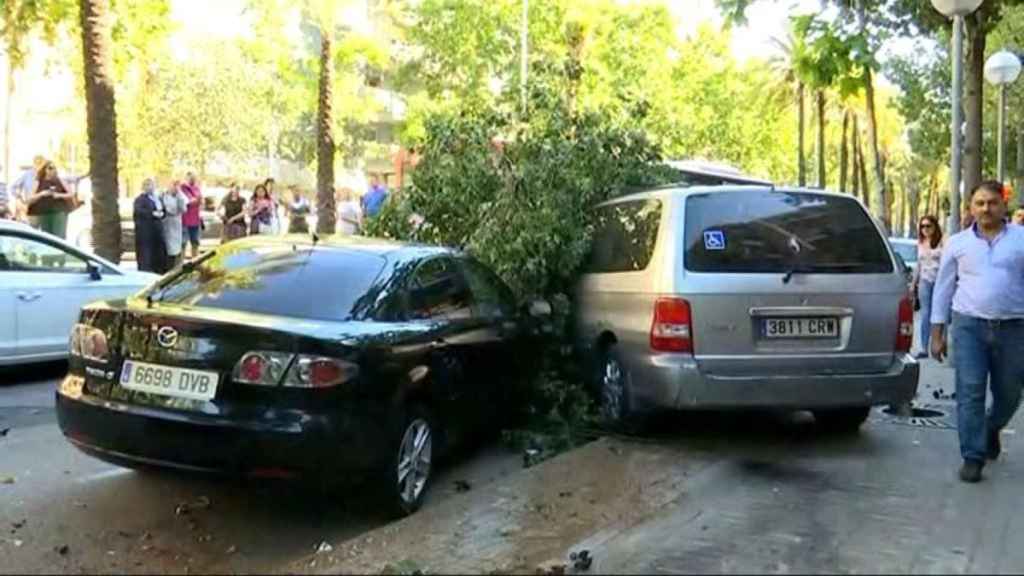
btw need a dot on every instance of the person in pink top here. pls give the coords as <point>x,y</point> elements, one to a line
<point>191,219</point>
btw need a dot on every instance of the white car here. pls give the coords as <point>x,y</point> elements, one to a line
<point>44,282</point>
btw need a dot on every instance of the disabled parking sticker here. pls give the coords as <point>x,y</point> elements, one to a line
<point>714,240</point>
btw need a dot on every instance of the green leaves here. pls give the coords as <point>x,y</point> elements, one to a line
<point>519,196</point>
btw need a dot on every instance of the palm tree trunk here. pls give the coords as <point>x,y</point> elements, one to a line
<point>844,152</point>
<point>801,160</point>
<point>878,199</point>
<point>865,188</point>
<point>914,201</point>
<point>326,148</point>
<point>855,154</point>
<point>101,120</point>
<point>973,102</point>
<point>821,139</point>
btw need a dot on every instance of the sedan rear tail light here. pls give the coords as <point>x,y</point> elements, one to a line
<point>905,332</point>
<point>261,368</point>
<point>672,328</point>
<point>319,372</point>
<point>89,343</point>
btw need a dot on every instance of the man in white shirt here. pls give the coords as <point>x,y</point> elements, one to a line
<point>981,279</point>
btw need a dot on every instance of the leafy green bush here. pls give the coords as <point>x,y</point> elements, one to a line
<point>519,197</point>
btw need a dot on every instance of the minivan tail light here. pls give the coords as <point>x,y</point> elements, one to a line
<point>672,328</point>
<point>905,334</point>
<point>261,368</point>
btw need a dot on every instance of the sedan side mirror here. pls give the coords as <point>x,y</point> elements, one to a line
<point>539,309</point>
<point>94,271</point>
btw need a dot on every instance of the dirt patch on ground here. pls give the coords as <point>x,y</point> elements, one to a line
<point>525,521</point>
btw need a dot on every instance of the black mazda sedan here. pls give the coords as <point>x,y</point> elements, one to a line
<point>296,356</point>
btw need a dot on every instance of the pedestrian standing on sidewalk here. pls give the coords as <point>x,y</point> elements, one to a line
<point>148,213</point>
<point>261,209</point>
<point>232,213</point>
<point>22,188</point>
<point>192,221</point>
<point>51,201</point>
<point>175,203</point>
<point>929,254</point>
<point>981,277</point>
<point>298,212</point>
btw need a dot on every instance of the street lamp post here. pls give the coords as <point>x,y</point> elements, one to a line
<point>1002,69</point>
<point>956,9</point>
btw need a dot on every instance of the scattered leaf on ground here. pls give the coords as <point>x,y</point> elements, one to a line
<point>581,560</point>
<point>62,549</point>
<point>462,486</point>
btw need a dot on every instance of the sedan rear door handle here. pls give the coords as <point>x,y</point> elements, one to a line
<point>439,344</point>
<point>28,296</point>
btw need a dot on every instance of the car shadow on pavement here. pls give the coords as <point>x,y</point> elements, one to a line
<point>30,373</point>
<point>754,431</point>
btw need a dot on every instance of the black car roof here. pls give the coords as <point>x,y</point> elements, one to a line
<point>390,249</point>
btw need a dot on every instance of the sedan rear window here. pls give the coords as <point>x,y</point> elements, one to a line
<point>768,231</point>
<point>280,280</point>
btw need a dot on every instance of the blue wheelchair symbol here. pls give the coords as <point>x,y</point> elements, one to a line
<point>714,240</point>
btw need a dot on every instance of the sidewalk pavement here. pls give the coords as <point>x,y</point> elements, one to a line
<point>727,492</point>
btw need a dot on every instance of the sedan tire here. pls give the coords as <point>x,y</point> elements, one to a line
<point>411,465</point>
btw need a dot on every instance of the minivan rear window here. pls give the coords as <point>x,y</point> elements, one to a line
<point>624,236</point>
<point>769,231</point>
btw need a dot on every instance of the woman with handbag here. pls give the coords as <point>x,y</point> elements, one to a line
<point>51,201</point>
<point>261,210</point>
<point>929,254</point>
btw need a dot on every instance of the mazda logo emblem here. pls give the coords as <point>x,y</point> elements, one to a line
<point>167,337</point>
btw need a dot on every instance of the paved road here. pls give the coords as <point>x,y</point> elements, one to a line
<point>727,493</point>
<point>116,520</point>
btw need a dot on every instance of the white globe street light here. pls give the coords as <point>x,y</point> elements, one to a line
<point>956,9</point>
<point>1002,69</point>
<point>950,8</point>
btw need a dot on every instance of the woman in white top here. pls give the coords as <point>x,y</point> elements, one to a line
<point>929,253</point>
<point>175,203</point>
<point>349,214</point>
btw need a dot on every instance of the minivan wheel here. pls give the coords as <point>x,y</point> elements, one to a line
<point>842,419</point>
<point>409,470</point>
<point>613,383</point>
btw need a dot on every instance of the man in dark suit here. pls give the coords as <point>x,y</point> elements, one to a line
<point>148,211</point>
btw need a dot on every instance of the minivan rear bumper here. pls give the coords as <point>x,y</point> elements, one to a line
<point>673,381</point>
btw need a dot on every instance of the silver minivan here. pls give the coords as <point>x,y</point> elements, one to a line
<point>744,297</point>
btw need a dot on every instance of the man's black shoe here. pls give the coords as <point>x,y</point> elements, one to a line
<point>995,448</point>
<point>970,472</point>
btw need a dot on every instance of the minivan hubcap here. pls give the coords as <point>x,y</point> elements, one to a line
<point>414,460</point>
<point>611,390</point>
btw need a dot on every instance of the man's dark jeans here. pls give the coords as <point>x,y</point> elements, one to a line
<point>986,352</point>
